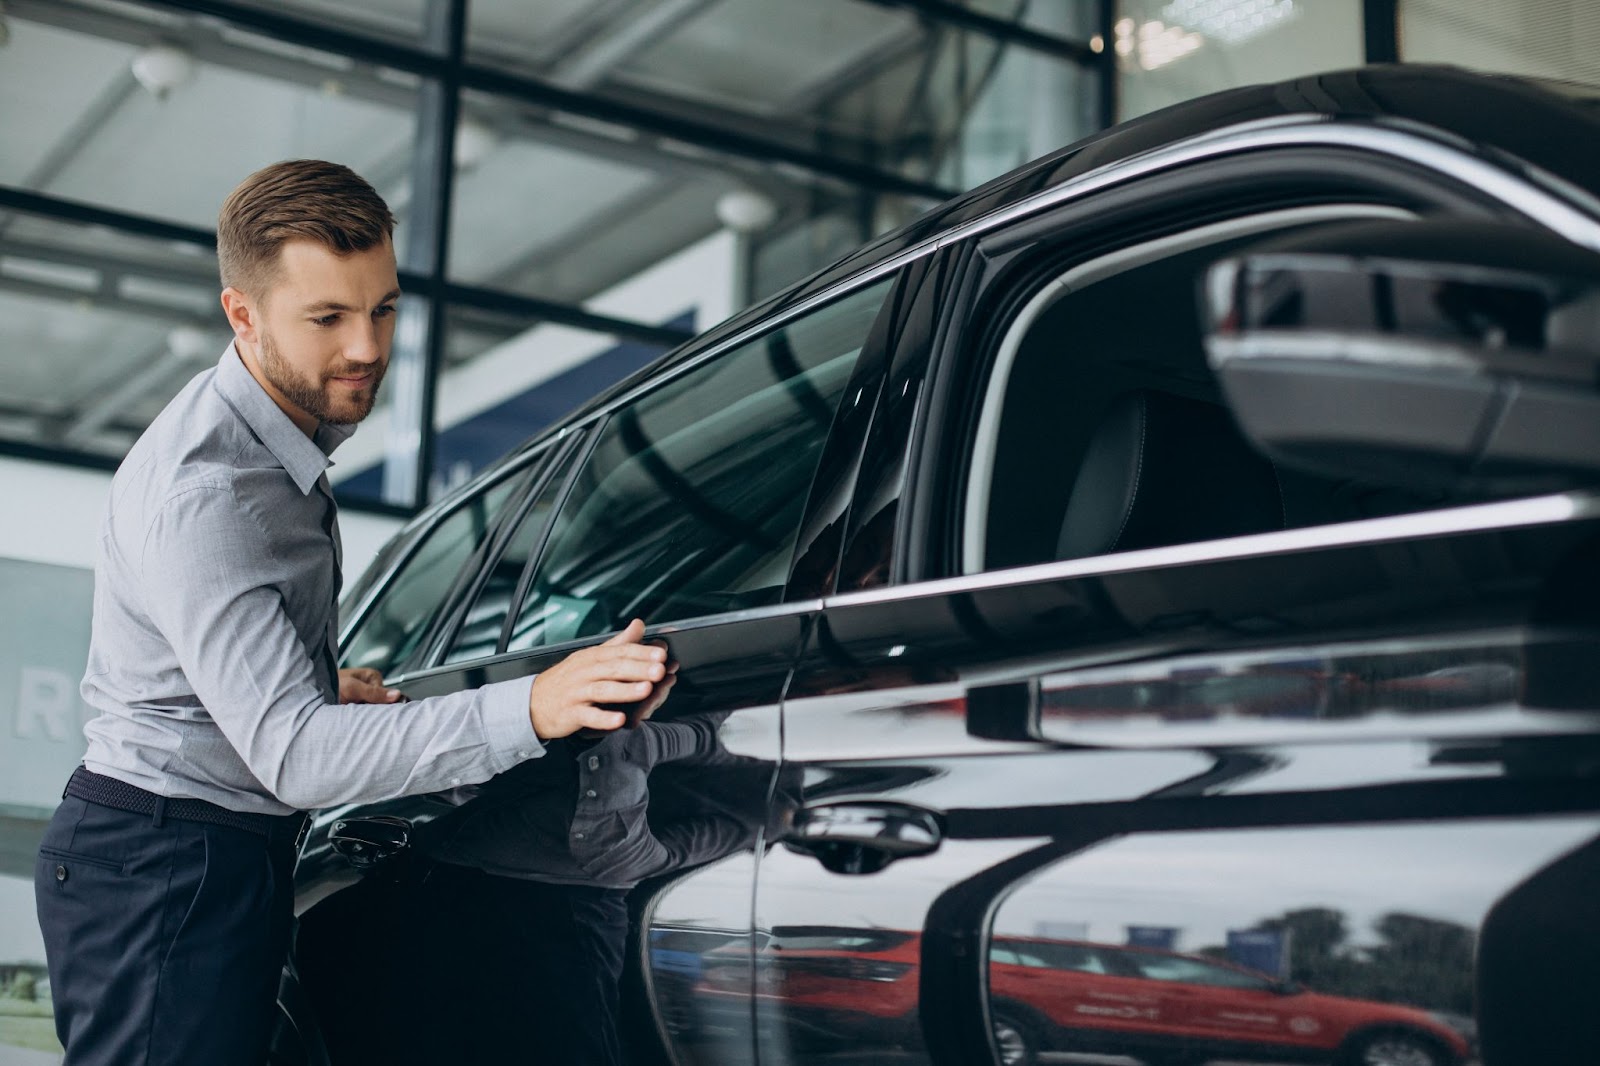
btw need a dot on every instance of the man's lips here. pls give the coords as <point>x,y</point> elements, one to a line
<point>360,381</point>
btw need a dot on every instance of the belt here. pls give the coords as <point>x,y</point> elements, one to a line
<point>110,792</point>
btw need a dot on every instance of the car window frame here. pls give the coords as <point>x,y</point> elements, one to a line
<point>558,457</point>
<point>590,422</point>
<point>867,364</point>
<point>926,547</point>
<point>425,526</point>
<point>983,442</point>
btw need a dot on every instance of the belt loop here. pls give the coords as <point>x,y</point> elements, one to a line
<point>160,816</point>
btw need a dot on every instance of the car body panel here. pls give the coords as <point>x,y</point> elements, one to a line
<point>1368,742</point>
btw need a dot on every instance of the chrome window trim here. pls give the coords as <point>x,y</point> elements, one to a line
<point>663,631</point>
<point>838,291</point>
<point>1413,142</point>
<point>1472,518</point>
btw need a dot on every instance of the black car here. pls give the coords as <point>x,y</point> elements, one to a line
<point>1186,541</point>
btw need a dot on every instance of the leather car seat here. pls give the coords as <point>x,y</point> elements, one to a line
<point>1162,469</point>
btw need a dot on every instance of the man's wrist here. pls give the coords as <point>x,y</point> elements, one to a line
<point>508,723</point>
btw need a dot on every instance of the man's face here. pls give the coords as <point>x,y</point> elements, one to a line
<point>325,327</point>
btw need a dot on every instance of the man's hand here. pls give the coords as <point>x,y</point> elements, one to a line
<point>363,684</point>
<point>622,670</point>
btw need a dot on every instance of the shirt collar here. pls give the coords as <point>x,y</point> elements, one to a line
<point>305,458</point>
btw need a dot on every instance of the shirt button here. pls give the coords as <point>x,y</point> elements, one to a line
<point>591,793</point>
<point>455,780</point>
<point>61,873</point>
<point>523,754</point>
<point>594,762</point>
<point>577,836</point>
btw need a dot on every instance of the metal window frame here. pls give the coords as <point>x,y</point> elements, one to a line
<point>1380,25</point>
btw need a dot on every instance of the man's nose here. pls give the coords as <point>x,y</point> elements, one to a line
<point>366,345</point>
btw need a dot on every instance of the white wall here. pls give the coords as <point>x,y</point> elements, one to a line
<point>54,513</point>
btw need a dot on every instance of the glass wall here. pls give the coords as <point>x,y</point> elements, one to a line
<point>1169,51</point>
<point>1555,39</point>
<point>587,144</point>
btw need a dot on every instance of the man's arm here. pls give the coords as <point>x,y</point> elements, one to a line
<point>211,591</point>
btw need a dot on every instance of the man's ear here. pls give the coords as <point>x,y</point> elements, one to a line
<point>242,315</point>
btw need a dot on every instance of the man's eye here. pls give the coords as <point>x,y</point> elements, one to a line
<point>384,312</point>
<point>325,321</point>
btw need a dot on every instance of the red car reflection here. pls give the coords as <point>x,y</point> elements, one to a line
<point>818,985</point>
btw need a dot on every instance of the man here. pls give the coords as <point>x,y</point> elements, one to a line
<point>164,879</point>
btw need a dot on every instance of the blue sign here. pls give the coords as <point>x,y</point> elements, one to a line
<point>1161,937</point>
<point>1263,950</point>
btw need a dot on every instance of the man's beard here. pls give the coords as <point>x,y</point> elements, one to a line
<point>312,398</point>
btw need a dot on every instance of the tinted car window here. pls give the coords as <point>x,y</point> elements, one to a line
<point>1113,435</point>
<point>479,634</point>
<point>691,501</point>
<point>396,622</point>
<point>1192,972</point>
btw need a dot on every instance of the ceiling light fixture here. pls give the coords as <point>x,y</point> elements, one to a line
<point>162,68</point>
<point>474,141</point>
<point>746,211</point>
<point>1230,21</point>
<point>1154,44</point>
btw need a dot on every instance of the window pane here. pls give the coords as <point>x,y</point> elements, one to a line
<point>1557,39</point>
<point>80,125</point>
<point>479,634</point>
<point>1175,50</point>
<point>1191,971</point>
<point>396,20</point>
<point>98,331</point>
<point>565,209</point>
<point>506,377</point>
<point>397,621</point>
<point>692,500</point>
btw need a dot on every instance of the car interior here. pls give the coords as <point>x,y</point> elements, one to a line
<point>1103,429</point>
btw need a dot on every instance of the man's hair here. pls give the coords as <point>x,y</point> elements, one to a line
<point>305,199</point>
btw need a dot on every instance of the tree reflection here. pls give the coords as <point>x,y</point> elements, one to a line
<point>1417,960</point>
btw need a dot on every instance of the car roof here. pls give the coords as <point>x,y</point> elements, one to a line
<point>1551,125</point>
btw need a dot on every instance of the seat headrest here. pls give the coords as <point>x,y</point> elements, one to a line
<point>1163,469</point>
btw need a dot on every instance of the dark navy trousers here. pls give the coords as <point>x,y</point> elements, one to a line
<point>165,938</point>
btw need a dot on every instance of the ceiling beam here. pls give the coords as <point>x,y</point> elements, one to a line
<point>203,275</point>
<point>1006,31</point>
<point>590,65</point>
<point>649,120</point>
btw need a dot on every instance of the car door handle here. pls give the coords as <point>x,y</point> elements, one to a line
<point>863,838</point>
<point>368,843</point>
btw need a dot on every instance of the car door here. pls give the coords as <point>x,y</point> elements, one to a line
<point>685,502</point>
<point>1263,705</point>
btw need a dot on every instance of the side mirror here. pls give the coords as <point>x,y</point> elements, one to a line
<point>1443,356</point>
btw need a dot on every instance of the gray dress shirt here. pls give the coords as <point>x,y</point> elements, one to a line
<point>215,615</point>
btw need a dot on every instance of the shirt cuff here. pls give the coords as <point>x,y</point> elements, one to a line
<point>507,724</point>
